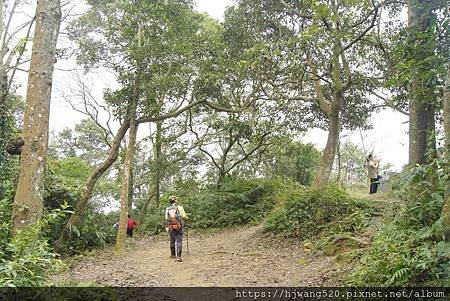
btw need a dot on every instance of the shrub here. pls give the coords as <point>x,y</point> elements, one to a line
<point>400,256</point>
<point>306,213</point>
<point>65,180</point>
<point>296,161</point>
<point>26,259</point>
<point>237,202</point>
<point>153,221</point>
<point>95,230</point>
<point>406,251</point>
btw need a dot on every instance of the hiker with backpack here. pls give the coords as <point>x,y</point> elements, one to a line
<point>131,225</point>
<point>174,225</point>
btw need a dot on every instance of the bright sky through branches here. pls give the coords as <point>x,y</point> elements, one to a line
<point>388,139</point>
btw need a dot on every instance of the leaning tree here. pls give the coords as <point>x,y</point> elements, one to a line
<point>157,75</point>
<point>321,55</point>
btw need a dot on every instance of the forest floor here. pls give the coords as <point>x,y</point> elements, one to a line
<point>241,256</point>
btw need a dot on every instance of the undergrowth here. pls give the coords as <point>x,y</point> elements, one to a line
<point>27,258</point>
<point>305,214</point>
<point>407,251</point>
<point>238,202</point>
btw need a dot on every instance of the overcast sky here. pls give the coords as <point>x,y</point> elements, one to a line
<point>388,139</point>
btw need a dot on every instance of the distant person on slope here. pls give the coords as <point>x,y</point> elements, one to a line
<point>116,225</point>
<point>131,225</point>
<point>174,225</point>
<point>372,166</point>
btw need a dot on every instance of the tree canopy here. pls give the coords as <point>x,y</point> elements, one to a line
<point>217,113</point>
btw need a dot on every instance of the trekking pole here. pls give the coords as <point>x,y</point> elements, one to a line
<point>187,240</point>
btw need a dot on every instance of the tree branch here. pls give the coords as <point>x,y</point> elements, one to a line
<point>362,34</point>
<point>260,144</point>
<point>388,103</point>
<point>295,11</point>
<point>21,52</point>
<point>171,114</point>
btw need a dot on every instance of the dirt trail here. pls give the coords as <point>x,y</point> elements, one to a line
<point>232,257</point>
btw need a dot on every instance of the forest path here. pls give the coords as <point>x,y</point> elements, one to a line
<point>232,257</point>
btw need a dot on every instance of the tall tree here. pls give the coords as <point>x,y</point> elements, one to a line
<point>319,54</point>
<point>444,221</point>
<point>421,108</point>
<point>173,43</point>
<point>127,179</point>
<point>28,201</point>
<point>292,160</point>
<point>158,158</point>
<point>447,113</point>
<point>86,140</point>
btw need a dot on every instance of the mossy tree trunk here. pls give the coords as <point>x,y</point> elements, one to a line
<point>131,190</point>
<point>421,113</point>
<point>158,158</point>
<point>323,171</point>
<point>127,178</point>
<point>444,221</point>
<point>28,201</point>
<point>332,109</point>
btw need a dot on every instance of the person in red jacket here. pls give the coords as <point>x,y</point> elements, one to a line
<point>130,226</point>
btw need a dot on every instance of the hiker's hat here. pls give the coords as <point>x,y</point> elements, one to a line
<point>172,198</point>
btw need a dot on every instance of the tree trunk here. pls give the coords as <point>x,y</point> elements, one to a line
<point>420,130</point>
<point>3,75</point>
<point>220,179</point>
<point>431,131</point>
<point>28,201</point>
<point>131,191</point>
<point>446,106</point>
<point>326,161</point>
<point>126,179</point>
<point>129,159</point>
<point>158,152</point>
<point>444,221</point>
<point>223,171</point>
<point>90,183</point>
<point>338,180</point>
<point>120,163</point>
<point>3,85</point>
<point>419,19</point>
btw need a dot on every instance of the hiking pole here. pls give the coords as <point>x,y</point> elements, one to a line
<point>187,240</point>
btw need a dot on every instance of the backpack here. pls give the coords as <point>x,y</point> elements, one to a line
<point>173,218</point>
